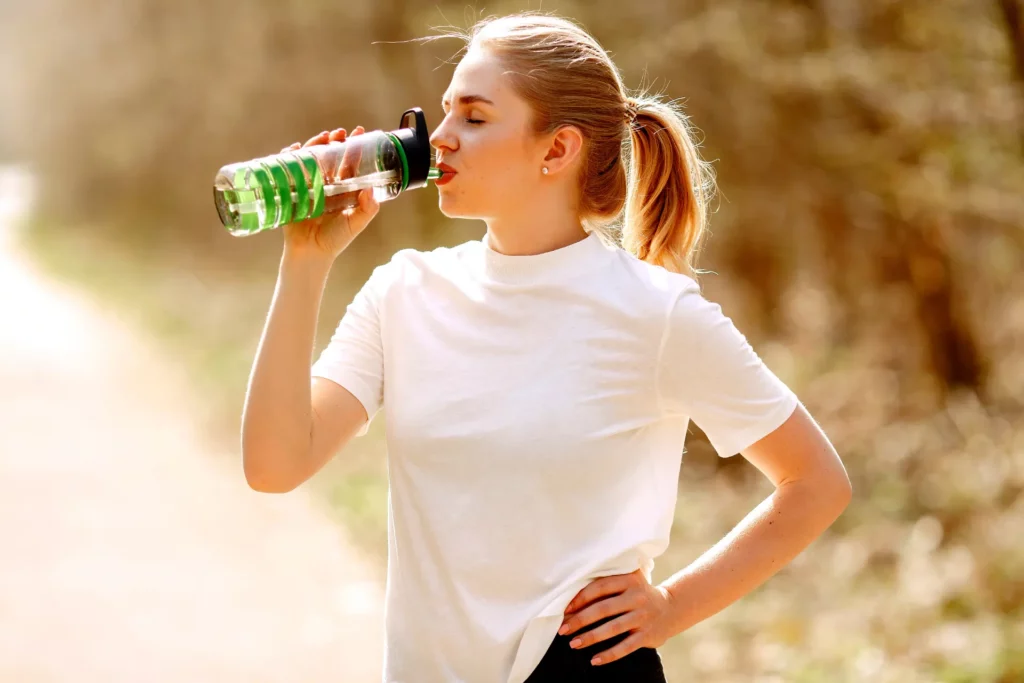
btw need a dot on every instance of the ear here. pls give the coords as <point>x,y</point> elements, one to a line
<point>564,149</point>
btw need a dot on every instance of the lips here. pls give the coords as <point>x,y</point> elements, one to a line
<point>447,174</point>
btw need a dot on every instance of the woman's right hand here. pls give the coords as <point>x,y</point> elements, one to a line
<point>330,233</point>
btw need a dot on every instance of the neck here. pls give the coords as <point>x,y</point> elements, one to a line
<point>535,231</point>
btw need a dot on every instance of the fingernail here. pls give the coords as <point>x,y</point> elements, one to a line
<point>562,631</point>
<point>576,642</point>
<point>595,660</point>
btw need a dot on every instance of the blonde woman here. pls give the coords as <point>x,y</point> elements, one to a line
<point>538,382</point>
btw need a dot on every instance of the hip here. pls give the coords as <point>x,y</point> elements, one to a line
<point>563,664</point>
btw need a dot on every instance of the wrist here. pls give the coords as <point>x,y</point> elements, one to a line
<point>310,261</point>
<point>676,607</point>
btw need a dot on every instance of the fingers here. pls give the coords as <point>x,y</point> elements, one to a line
<point>339,135</point>
<point>620,650</point>
<point>599,588</point>
<point>320,139</point>
<point>325,137</point>
<point>368,204</point>
<point>602,609</point>
<point>609,629</point>
<point>352,157</point>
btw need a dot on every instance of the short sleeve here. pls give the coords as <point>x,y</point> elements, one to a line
<point>354,358</point>
<point>708,372</point>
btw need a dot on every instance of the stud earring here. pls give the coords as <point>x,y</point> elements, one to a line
<point>544,170</point>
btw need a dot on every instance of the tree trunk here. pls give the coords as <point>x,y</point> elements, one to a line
<point>927,269</point>
<point>1013,15</point>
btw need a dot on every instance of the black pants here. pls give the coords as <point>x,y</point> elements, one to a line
<point>563,664</point>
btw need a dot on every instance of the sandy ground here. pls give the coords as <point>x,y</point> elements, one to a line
<point>128,550</point>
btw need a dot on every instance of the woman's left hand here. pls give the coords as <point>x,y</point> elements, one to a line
<point>644,609</point>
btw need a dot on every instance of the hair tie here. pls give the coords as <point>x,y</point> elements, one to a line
<point>632,109</point>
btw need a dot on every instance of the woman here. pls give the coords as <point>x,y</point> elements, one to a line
<point>538,382</point>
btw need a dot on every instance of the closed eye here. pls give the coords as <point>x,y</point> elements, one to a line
<point>472,122</point>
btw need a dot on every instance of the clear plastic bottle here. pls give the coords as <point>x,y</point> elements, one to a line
<point>265,193</point>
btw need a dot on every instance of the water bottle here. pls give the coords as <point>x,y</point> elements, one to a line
<point>265,193</point>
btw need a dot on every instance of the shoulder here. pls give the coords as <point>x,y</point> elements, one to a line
<point>407,262</point>
<point>672,303</point>
<point>415,267</point>
<point>662,288</point>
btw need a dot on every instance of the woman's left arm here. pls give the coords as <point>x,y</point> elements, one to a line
<point>708,372</point>
<point>811,490</point>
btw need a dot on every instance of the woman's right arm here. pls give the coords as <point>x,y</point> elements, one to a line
<point>292,424</point>
<point>282,446</point>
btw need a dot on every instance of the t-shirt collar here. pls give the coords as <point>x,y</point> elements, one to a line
<point>555,264</point>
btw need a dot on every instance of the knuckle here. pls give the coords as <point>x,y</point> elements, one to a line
<point>620,650</point>
<point>612,654</point>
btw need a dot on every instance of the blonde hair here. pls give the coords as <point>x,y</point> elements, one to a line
<point>568,79</point>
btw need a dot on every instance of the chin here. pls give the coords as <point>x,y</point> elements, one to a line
<point>451,208</point>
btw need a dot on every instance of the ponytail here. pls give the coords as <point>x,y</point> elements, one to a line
<point>668,191</point>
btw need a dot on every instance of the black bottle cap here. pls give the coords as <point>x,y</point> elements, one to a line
<point>416,143</point>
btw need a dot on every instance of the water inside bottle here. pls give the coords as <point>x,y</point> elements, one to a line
<point>270,192</point>
<point>378,181</point>
<point>260,200</point>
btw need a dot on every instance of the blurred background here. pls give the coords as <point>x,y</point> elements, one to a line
<point>867,239</point>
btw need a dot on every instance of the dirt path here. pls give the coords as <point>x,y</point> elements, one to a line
<point>128,551</point>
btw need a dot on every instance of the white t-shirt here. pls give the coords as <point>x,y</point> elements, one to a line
<point>536,411</point>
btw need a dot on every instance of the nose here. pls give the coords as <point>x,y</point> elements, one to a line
<point>441,139</point>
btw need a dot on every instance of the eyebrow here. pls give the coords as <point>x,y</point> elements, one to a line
<point>469,99</point>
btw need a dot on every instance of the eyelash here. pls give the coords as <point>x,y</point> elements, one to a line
<point>472,122</point>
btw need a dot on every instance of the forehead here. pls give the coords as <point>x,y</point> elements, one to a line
<point>479,73</point>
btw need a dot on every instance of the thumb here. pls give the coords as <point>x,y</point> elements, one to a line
<point>368,204</point>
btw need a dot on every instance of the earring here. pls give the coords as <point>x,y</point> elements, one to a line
<point>544,170</point>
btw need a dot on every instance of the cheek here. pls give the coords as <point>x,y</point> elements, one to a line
<point>499,156</point>
<point>493,166</point>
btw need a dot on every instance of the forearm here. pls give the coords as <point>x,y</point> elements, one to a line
<point>767,539</point>
<point>276,418</point>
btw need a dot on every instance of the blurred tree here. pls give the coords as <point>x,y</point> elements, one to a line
<point>869,155</point>
<point>840,132</point>
<point>1013,14</point>
<point>871,147</point>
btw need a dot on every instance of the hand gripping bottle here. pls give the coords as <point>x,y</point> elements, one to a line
<point>265,193</point>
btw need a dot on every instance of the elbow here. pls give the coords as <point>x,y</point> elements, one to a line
<point>826,495</point>
<point>262,484</point>
<point>263,479</point>
<point>269,466</point>
<point>845,493</point>
<point>838,492</point>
